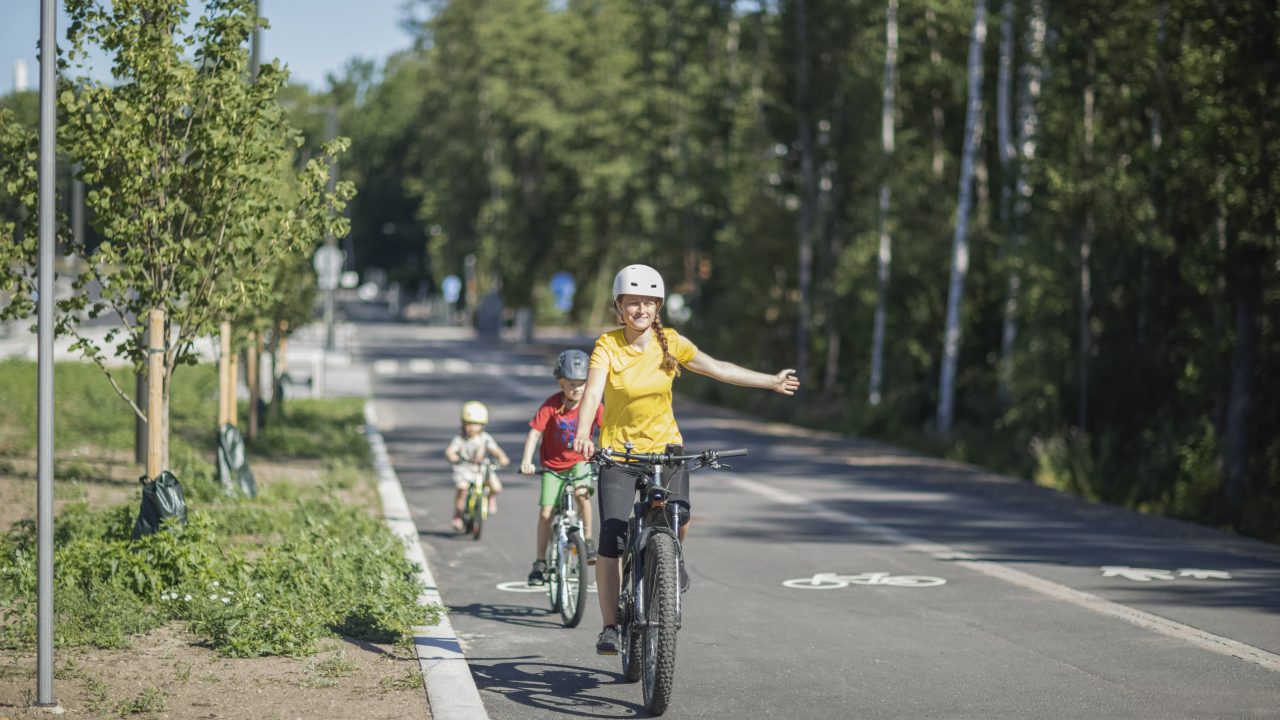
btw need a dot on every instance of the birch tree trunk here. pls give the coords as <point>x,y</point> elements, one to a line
<point>1157,199</point>
<point>1085,342</point>
<point>935,93</point>
<point>808,192</point>
<point>1004,124</point>
<point>960,241</point>
<point>886,246</point>
<point>829,137</point>
<point>1025,153</point>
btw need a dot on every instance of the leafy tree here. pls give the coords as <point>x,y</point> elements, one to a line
<point>190,176</point>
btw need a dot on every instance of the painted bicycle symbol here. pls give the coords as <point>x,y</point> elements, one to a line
<point>833,581</point>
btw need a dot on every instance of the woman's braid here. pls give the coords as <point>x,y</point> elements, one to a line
<point>669,363</point>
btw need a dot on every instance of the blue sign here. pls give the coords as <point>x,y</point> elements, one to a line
<point>562,289</point>
<point>452,287</point>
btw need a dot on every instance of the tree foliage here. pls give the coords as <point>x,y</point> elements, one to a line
<point>190,176</point>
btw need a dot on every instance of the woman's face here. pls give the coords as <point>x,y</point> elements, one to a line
<point>638,311</point>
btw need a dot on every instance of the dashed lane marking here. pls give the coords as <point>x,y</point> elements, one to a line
<point>422,366</point>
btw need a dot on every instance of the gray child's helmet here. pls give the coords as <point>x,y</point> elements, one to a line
<point>572,365</point>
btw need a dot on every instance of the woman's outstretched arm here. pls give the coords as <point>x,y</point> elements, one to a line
<point>784,382</point>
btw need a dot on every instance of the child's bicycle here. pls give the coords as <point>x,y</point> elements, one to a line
<point>475,508</point>
<point>567,556</point>
<point>649,611</point>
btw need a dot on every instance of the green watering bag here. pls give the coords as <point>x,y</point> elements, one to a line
<point>233,465</point>
<point>161,498</point>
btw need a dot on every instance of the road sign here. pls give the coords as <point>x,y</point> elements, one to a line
<point>452,288</point>
<point>328,263</point>
<point>562,289</point>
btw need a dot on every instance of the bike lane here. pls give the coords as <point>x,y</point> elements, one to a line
<point>973,647</point>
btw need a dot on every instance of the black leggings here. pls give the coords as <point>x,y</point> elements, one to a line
<point>617,494</point>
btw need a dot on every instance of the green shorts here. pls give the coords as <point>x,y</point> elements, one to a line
<point>581,474</point>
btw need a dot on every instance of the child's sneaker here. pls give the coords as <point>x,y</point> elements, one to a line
<point>538,575</point>
<point>457,523</point>
<point>493,506</point>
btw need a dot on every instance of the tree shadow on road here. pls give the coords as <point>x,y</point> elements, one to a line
<point>561,689</point>
<point>510,614</point>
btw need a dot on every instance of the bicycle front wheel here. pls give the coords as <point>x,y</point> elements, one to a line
<point>480,503</point>
<point>571,569</point>
<point>553,571</point>
<point>661,591</point>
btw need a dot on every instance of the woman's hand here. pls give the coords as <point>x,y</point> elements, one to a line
<point>785,382</point>
<point>583,446</point>
<point>527,468</point>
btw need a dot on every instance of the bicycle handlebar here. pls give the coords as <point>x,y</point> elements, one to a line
<point>612,456</point>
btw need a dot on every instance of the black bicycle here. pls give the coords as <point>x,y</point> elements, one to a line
<point>649,604</point>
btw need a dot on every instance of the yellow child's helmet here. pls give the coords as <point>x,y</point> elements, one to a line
<point>474,411</point>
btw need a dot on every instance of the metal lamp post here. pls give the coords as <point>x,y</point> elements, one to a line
<point>44,391</point>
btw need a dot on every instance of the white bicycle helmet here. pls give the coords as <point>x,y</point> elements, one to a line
<point>639,280</point>
<point>474,411</point>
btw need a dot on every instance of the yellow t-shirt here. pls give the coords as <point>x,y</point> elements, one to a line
<point>637,392</point>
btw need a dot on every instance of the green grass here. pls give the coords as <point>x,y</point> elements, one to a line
<point>89,413</point>
<point>263,576</point>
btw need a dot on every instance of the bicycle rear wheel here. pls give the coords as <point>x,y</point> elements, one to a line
<point>571,569</point>
<point>661,590</point>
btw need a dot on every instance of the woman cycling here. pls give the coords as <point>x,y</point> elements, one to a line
<point>631,371</point>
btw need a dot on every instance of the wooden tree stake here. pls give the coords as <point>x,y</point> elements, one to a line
<point>224,373</point>
<point>155,394</point>
<point>252,354</point>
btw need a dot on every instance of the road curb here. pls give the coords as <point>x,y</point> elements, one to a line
<point>451,690</point>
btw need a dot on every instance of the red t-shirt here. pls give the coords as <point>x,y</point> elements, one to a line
<point>558,428</point>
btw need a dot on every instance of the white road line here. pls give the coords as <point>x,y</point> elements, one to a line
<point>422,366</point>
<point>454,365</point>
<point>386,367</point>
<point>1088,601</point>
<point>451,690</point>
<point>491,369</point>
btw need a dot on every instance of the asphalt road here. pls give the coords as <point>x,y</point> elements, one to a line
<point>1033,605</point>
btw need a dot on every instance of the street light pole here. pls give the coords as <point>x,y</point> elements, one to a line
<point>44,391</point>
<point>255,45</point>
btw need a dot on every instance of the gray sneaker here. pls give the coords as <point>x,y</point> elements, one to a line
<point>607,641</point>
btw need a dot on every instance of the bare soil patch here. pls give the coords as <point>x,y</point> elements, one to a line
<point>166,675</point>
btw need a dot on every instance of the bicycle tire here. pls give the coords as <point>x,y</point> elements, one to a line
<point>629,636</point>
<point>553,571</point>
<point>468,512</point>
<point>481,505</point>
<point>572,570</point>
<point>661,588</point>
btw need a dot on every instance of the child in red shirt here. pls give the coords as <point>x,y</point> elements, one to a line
<point>556,424</point>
